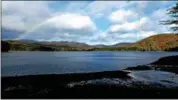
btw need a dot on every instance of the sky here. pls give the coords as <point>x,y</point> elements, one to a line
<point>91,22</point>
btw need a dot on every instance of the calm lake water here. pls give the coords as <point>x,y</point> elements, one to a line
<point>28,63</point>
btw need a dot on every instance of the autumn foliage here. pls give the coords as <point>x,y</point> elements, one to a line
<point>162,42</point>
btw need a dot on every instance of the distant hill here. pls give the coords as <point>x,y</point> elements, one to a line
<point>18,45</point>
<point>30,45</point>
<point>121,44</point>
<point>162,42</point>
<point>100,46</point>
<point>66,43</point>
<point>27,41</point>
<point>111,46</point>
<point>53,43</point>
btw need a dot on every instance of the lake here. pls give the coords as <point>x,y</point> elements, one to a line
<point>37,62</point>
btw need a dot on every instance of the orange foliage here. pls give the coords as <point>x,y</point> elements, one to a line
<point>158,42</point>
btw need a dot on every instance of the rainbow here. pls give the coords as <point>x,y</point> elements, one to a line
<point>33,28</point>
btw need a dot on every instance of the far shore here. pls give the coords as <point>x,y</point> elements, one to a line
<point>86,51</point>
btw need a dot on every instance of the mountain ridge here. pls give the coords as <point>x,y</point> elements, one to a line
<point>69,43</point>
<point>160,42</point>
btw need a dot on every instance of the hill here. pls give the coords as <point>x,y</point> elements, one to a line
<point>161,42</point>
<point>66,43</point>
<point>121,44</point>
<point>112,46</point>
<point>30,45</point>
<point>17,45</point>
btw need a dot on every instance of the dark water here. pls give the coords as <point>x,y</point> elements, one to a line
<point>25,63</point>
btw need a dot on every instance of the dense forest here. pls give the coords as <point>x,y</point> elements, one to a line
<point>161,42</point>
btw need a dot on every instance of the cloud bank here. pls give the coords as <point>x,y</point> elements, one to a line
<point>92,22</point>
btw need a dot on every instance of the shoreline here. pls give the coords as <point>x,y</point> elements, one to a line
<point>169,64</point>
<point>58,86</point>
<point>87,51</point>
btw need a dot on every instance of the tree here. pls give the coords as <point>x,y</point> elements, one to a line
<point>172,12</point>
<point>5,46</point>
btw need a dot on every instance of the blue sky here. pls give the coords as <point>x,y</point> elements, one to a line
<point>91,22</point>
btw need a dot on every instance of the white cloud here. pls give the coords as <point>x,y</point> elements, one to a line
<point>128,35</point>
<point>146,34</point>
<point>153,23</point>
<point>67,26</point>
<point>159,14</point>
<point>13,23</point>
<point>141,28</point>
<point>22,15</point>
<point>121,16</point>
<point>72,21</point>
<point>104,7</point>
<point>129,26</point>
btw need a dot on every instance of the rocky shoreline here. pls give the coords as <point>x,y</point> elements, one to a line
<point>169,64</point>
